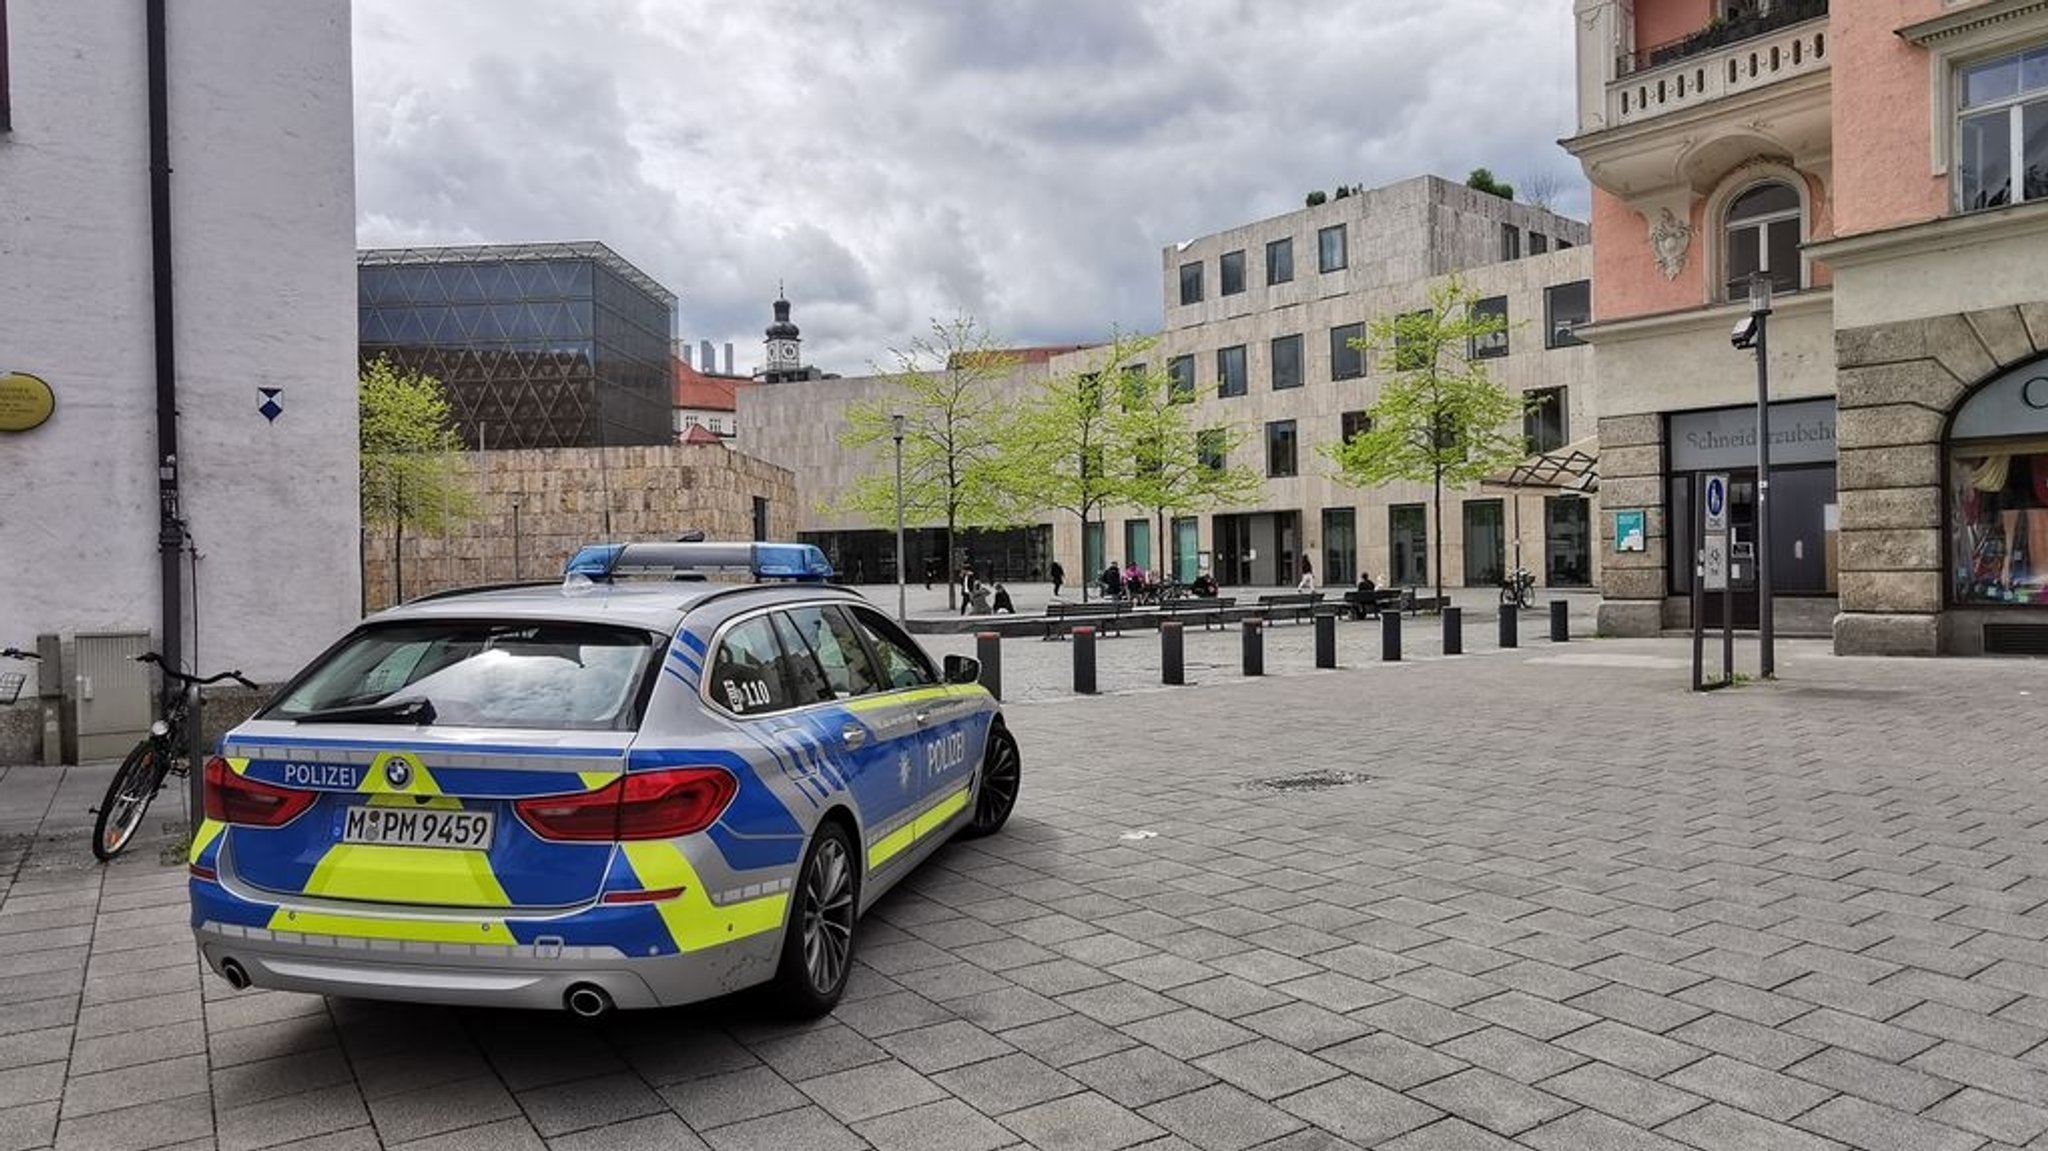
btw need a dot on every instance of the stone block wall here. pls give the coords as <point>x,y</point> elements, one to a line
<point>1897,384</point>
<point>535,508</point>
<point>1632,476</point>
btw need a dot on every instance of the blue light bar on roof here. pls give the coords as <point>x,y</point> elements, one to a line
<point>605,562</point>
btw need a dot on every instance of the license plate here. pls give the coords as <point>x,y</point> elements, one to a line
<point>419,827</point>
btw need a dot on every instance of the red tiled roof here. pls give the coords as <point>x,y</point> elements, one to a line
<point>699,434</point>
<point>695,389</point>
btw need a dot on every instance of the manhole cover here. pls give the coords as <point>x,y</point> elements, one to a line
<point>1308,781</point>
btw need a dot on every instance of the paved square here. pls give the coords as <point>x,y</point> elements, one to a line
<point>1562,904</point>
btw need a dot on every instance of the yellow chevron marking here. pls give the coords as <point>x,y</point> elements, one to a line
<point>209,831</point>
<point>593,780</point>
<point>926,822</point>
<point>381,873</point>
<point>693,921</point>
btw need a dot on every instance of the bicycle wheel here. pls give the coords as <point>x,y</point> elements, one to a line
<point>128,798</point>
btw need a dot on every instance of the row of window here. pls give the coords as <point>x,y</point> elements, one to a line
<point>1567,307</point>
<point>1511,242</point>
<point>1332,255</point>
<point>1546,426</point>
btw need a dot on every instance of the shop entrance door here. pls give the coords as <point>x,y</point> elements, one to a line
<point>1742,549</point>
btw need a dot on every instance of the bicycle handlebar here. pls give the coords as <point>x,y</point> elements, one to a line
<point>17,653</point>
<point>193,680</point>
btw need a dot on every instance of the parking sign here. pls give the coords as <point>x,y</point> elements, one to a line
<point>1716,500</point>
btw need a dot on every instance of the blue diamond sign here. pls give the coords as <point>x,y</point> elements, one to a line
<point>270,407</point>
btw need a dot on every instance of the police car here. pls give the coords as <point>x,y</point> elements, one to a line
<point>608,793</point>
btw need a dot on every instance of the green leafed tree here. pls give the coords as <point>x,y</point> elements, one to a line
<point>947,388</point>
<point>1441,419</point>
<point>1171,466</point>
<point>414,471</point>
<point>1066,447</point>
<point>1482,180</point>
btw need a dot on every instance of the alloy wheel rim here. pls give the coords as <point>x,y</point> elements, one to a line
<point>828,916</point>
<point>998,785</point>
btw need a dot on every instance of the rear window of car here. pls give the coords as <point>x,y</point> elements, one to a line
<point>559,676</point>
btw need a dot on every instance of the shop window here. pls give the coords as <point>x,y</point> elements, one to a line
<point>1280,261</point>
<point>1762,236</point>
<point>1230,270</point>
<point>1998,491</point>
<point>2002,131</point>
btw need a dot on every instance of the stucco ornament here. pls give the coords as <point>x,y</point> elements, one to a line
<point>1670,238</point>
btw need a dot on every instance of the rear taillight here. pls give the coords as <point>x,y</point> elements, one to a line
<point>232,798</point>
<point>639,805</point>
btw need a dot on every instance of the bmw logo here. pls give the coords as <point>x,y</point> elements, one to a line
<point>397,772</point>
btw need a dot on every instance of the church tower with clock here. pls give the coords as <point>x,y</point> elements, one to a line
<point>784,349</point>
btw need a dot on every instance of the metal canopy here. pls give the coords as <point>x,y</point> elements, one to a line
<point>1571,468</point>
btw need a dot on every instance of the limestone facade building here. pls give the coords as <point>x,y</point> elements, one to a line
<point>1881,165</point>
<point>1259,318</point>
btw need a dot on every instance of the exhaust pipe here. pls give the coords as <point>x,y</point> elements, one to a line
<point>233,973</point>
<point>587,1001</point>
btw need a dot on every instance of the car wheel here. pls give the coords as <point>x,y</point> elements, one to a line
<point>1001,769</point>
<point>817,946</point>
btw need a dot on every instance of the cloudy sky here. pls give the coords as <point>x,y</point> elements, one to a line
<point>1023,161</point>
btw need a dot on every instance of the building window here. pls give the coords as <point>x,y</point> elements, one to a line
<point>1563,244</point>
<point>1354,425</point>
<point>1546,420</point>
<point>1347,351</point>
<point>1231,272</point>
<point>1997,491</point>
<point>1494,344</point>
<point>1230,379</point>
<point>1567,308</point>
<point>1280,261</point>
<point>1191,283</point>
<point>1286,353</point>
<point>1180,374</point>
<point>1763,236</point>
<point>1209,449</point>
<point>2002,131</point>
<point>1510,242</point>
<point>1485,543</point>
<point>1280,461</point>
<point>1538,243</point>
<point>1567,541</point>
<point>1331,255</point>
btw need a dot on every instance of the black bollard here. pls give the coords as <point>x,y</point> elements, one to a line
<point>1084,660</point>
<point>1454,631</point>
<point>1509,633</point>
<point>1326,639</point>
<point>988,648</point>
<point>1255,647</point>
<point>1560,621</point>
<point>1173,664</point>
<point>1390,636</point>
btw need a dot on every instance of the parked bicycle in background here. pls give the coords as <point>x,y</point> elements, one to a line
<point>1518,588</point>
<point>158,756</point>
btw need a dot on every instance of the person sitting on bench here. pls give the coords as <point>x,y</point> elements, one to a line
<point>1362,599</point>
<point>1003,604</point>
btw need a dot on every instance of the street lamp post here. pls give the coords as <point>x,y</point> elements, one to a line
<point>896,433</point>
<point>1760,312</point>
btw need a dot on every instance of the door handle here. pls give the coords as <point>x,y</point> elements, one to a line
<point>852,735</point>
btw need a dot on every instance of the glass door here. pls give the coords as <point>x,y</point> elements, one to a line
<point>1485,543</point>
<point>1567,542</point>
<point>1340,547</point>
<point>1408,545</point>
<point>1187,544</point>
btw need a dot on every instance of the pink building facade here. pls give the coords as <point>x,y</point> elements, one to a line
<point>1884,168</point>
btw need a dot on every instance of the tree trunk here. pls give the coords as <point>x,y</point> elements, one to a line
<point>397,559</point>
<point>946,566</point>
<point>1168,569</point>
<point>1438,500</point>
<point>1087,577</point>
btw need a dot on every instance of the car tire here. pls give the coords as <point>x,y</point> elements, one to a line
<point>824,922</point>
<point>995,796</point>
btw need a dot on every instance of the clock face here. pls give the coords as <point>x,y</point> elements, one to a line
<point>783,353</point>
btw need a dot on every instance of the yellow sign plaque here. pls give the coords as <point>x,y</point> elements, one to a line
<point>25,402</point>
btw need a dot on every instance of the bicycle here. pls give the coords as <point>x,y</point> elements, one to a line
<point>156,757</point>
<point>1518,589</point>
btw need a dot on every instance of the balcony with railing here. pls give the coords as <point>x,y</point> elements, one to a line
<point>1750,48</point>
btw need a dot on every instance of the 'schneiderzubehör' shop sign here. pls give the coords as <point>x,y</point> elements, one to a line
<point>1801,433</point>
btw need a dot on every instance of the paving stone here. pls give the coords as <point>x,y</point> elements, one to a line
<point>1081,1122</point>
<point>1748,1088</point>
<point>1718,1128</point>
<point>1425,1023</point>
<point>1971,1029</point>
<point>106,1090</point>
<point>1492,1101</point>
<point>47,1045</point>
<point>1993,1116</point>
<point>1624,1004</point>
<point>1304,1025</point>
<point>1221,1118</point>
<point>1451,1134</point>
<point>1636,1050</point>
<point>1588,1130</point>
<point>1870,1127</point>
<point>289,1117</point>
<point>1068,1039</point>
<point>663,1132</point>
<point>946,1123</point>
<point>1006,1083</point>
<point>563,1107</point>
<point>870,1090</point>
<point>1139,1076</point>
<point>443,1107</point>
<point>148,1125</point>
<point>1512,1054</point>
<point>1189,1034</point>
<point>28,1125</point>
<point>1229,996</point>
<point>1534,1017</point>
<point>1358,1110</point>
<point>1622,1094</point>
<point>1763,1046</point>
<point>804,1129</point>
<point>732,1097</point>
<point>892,1012</point>
<point>826,1049</point>
<point>1873,1079</point>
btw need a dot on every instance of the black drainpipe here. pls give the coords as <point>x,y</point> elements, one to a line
<point>170,533</point>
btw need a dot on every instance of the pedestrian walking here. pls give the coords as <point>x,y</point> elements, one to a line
<point>1059,576</point>
<point>1308,575</point>
<point>969,584</point>
<point>931,569</point>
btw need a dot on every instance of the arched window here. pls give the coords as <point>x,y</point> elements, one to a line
<point>1998,491</point>
<point>1762,235</point>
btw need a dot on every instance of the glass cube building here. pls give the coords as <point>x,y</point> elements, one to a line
<point>536,345</point>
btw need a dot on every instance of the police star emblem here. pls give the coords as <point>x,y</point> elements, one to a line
<point>903,770</point>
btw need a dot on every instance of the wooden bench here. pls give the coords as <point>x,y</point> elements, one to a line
<point>1062,618</point>
<point>1212,613</point>
<point>1301,604</point>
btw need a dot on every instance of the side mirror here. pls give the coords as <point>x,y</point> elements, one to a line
<point>962,669</point>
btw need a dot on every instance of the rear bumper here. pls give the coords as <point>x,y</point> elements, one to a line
<point>366,962</point>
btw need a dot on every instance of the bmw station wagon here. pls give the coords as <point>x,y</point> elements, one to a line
<point>604,793</point>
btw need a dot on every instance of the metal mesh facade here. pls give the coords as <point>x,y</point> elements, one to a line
<point>538,346</point>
